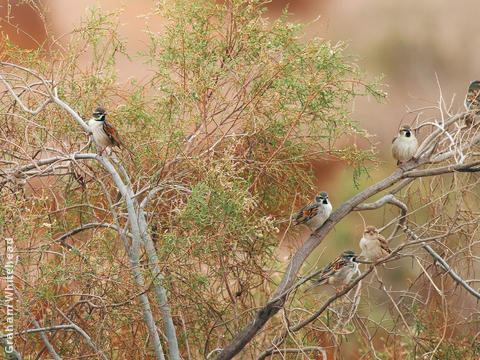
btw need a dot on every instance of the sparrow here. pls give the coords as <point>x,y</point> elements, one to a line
<point>104,134</point>
<point>373,245</point>
<point>314,215</point>
<point>472,99</point>
<point>339,271</point>
<point>404,145</point>
<point>472,102</point>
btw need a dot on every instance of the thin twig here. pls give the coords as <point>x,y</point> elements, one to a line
<point>444,264</point>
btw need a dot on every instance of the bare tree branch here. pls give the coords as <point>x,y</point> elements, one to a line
<point>84,334</point>
<point>42,329</point>
<point>88,226</point>
<point>443,263</point>
<point>320,349</point>
<point>266,312</point>
<point>49,346</point>
<point>442,170</point>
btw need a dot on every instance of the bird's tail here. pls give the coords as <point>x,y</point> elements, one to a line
<point>320,281</point>
<point>131,154</point>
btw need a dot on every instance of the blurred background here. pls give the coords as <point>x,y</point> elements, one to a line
<point>408,42</point>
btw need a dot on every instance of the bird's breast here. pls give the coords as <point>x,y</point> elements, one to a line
<point>99,135</point>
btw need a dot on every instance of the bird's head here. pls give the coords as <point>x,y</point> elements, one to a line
<point>474,85</point>
<point>371,231</point>
<point>99,114</point>
<point>322,198</point>
<point>405,131</point>
<point>348,255</point>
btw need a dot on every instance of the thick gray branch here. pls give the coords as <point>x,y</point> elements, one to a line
<point>279,297</point>
<point>49,346</point>
<point>295,351</point>
<point>441,170</point>
<point>85,335</point>
<point>159,289</point>
<point>125,189</point>
<point>387,199</point>
<point>87,227</point>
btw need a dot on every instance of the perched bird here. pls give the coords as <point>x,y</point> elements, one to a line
<point>472,99</point>
<point>373,245</point>
<point>339,271</point>
<point>314,215</point>
<point>472,102</point>
<point>104,134</point>
<point>404,145</point>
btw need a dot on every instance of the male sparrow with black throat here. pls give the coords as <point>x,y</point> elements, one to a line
<point>338,272</point>
<point>404,146</point>
<point>314,215</point>
<point>104,134</point>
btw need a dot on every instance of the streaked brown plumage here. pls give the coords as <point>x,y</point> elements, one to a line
<point>373,245</point>
<point>339,271</point>
<point>314,215</point>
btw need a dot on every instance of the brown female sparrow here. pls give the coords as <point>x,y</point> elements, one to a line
<point>373,245</point>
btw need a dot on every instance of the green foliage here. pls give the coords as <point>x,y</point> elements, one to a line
<point>248,104</point>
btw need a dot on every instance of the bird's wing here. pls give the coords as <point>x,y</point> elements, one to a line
<point>384,244</point>
<point>306,213</point>
<point>330,270</point>
<point>315,284</point>
<point>112,134</point>
<point>472,99</point>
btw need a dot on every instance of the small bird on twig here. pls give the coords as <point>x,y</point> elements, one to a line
<point>373,245</point>
<point>404,145</point>
<point>472,102</point>
<point>314,215</point>
<point>339,271</point>
<point>472,99</point>
<point>104,133</point>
